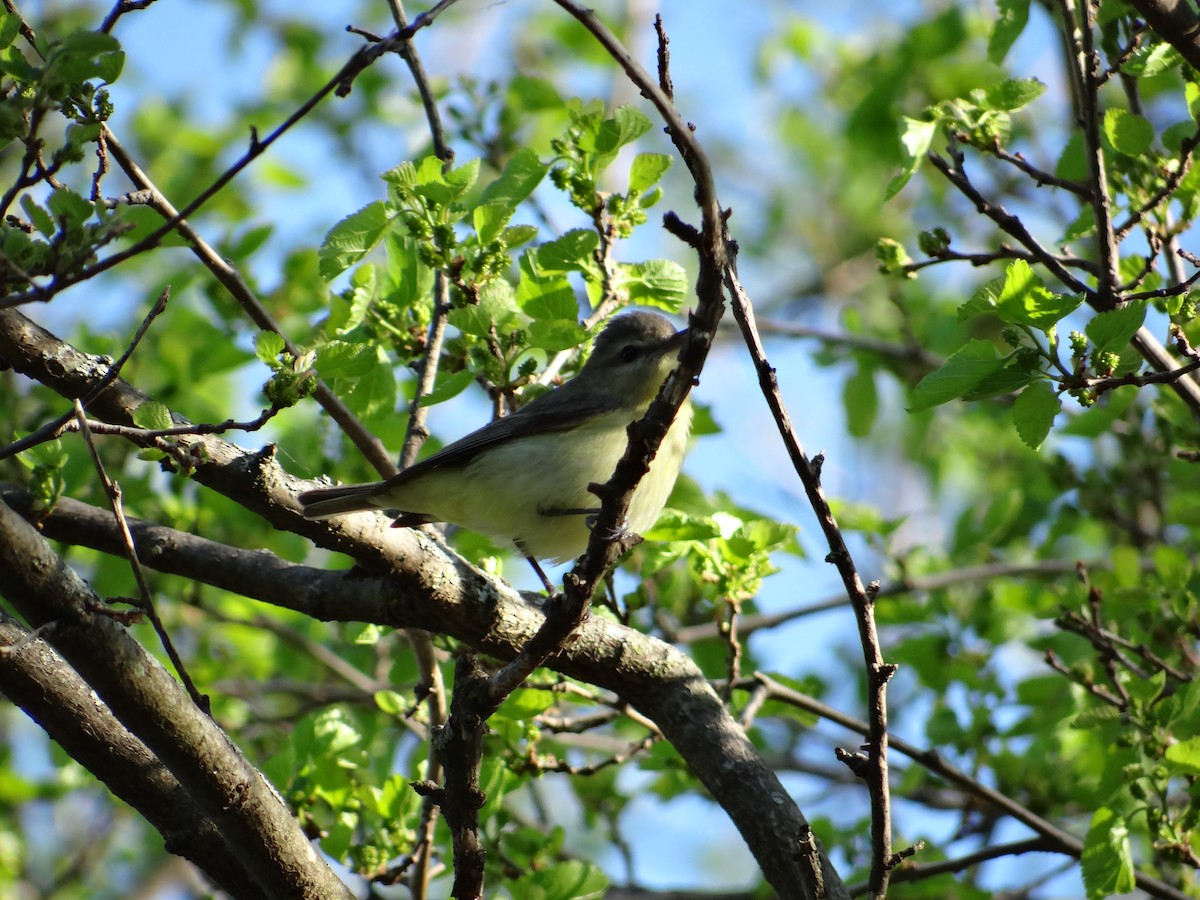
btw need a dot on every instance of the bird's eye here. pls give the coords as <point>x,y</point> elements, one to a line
<point>629,353</point>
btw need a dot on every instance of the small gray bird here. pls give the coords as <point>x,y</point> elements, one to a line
<point>524,478</point>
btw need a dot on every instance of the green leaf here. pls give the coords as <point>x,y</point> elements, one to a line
<point>1024,299</point>
<point>374,394</point>
<point>533,94</point>
<point>353,238</point>
<point>1014,14</point>
<point>1129,133</point>
<point>916,138</point>
<point>1152,61</point>
<point>556,334</point>
<point>1033,413</point>
<point>543,295</point>
<point>338,359</point>
<point>489,219</point>
<point>525,703</point>
<point>1107,859</point>
<point>646,170</point>
<point>10,27</point>
<point>40,219</point>
<point>364,633</point>
<point>391,702</point>
<point>516,235</point>
<point>571,252</point>
<point>1114,328</point>
<point>962,371</point>
<point>860,398</point>
<point>1019,370</point>
<point>440,188</point>
<point>1191,92</point>
<point>14,63</point>
<point>661,283</point>
<point>570,880</point>
<point>627,124</point>
<point>1012,94</point>
<point>70,207</point>
<point>522,174</point>
<point>983,301</point>
<point>1186,755</point>
<point>448,386</point>
<point>153,416</point>
<point>497,308</point>
<point>409,281</point>
<point>267,347</point>
<point>83,55</point>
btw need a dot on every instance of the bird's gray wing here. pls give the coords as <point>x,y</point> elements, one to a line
<point>537,417</point>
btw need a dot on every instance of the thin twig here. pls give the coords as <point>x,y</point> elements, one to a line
<point>875,774</point>
<point>1063,841</point>
<point>145,602</point>
<point>51,430</point>
<point>121,8</point>
<point>231,279</point>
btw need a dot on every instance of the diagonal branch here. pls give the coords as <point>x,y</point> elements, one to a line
<point>414,582</point>
<point>51,693</point>
<point>264,836</point>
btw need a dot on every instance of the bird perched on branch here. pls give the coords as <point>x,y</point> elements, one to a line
<point>524,478</point>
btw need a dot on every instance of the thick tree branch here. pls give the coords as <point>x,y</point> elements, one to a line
<point>427,587</point>
<point>51,693</point>
<point>262,833</point>
<point>421,584</point>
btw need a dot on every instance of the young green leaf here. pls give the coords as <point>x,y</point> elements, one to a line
<point>962,371</point>
<point>646,170</point>
<point>860,399</point>
<point>1025,300</point>
<point>915,140</point>
<point>1129,133</point>
<point>448,386</point>
<point>661,283</point>
<point>1112,330</point>
<point>153,415</point>
<point>10,27</point>
<point>1012,94</point>
<point>522,174</point>
<point>339,359</point>
<point>267,347</point>
<point>489,219</point>
<point>627,124</point>
<point>1014,14</point>
<point>571,252</point>
<point>353,238</point>
<point>983,301</point>
<point>1033,413</point>
<point>1107,859</point>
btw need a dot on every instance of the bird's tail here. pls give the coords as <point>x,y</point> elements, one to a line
<point>322,503</point>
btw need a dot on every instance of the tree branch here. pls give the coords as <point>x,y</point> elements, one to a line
<point>52,694</point>
<point>261,831</point>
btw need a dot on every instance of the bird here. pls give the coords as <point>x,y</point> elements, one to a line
<point>523,479</point>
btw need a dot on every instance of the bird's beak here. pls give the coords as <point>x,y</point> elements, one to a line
<point>675,341</point>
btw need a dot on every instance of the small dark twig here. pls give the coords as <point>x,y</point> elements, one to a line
<point>145,602</point>
<point>1007,222</point>
<point>121,8</point>
<point>664,58</point>
<point>1100,385</point>
<point>875,773</point>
